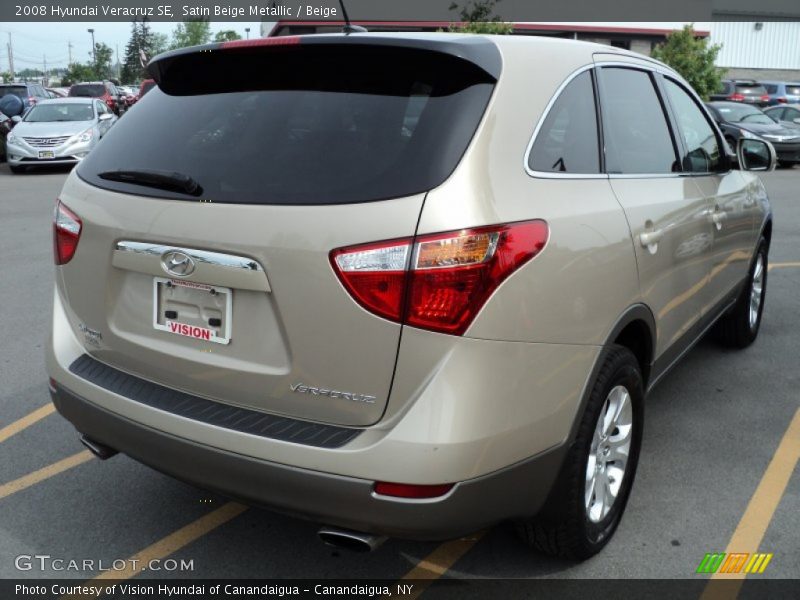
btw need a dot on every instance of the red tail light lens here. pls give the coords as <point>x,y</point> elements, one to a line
<point>407,490</point>
<point>438,282</point>
<point>782,100</point>
<point>66,233</point>
<point>736,97</point>
<point>765,98</point>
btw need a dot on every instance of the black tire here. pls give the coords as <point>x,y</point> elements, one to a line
<point>734,328</point>
<point>16,170</point>
<point>563,527</point>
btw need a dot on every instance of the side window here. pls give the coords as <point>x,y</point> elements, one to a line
<point>702,147</point>
<point>778,113</point>
<point>567,140</point>
<point>771,88</point>
<point>637,137</point>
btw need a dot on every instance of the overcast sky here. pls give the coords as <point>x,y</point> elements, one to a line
<point>33,40</point>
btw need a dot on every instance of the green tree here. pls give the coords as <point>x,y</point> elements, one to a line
<point>77,73</point>
<point>102,64</point>
<point>478,17</point>
<point>5,76</point>
<point>191,33</point>
<point>693,57</point>
<point>228,35</point>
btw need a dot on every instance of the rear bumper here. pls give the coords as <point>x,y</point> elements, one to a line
<point>516,491</point>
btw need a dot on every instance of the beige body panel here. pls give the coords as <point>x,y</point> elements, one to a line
<point>448,408</point>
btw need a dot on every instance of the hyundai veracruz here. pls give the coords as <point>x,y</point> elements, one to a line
<point>402,285</point>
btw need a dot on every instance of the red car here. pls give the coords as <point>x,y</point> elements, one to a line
<point>146,86</point>
<point>104,90</point>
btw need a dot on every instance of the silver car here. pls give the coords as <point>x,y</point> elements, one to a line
<point>57,132</point>
<point>402,284</point>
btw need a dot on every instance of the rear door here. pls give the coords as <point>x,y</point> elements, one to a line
<point>666,212</point>
<point>731,211</point>
<point>227,290</point>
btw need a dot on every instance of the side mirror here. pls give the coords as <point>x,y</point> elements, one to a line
<point>797,120</point>
<point>756,155</point>
<point>105,117</point>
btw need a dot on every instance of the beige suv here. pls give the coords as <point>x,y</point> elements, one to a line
<point>402,285</point>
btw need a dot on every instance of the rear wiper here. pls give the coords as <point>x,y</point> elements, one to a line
<point>165,180</point>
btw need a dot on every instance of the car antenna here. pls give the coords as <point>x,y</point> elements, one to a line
<point>348,27</point>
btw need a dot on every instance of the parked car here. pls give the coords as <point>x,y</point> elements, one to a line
<point>61,131</point>
<point>738,120</point>
<point>438,305</point>
<point>787,115</point>
<point>748,91</point>
<point>29,93</point>
<point>145,87</point>
<point>57,92</point>
<point>105,90</point>
<point>131,95</point>
<point>782,92</point>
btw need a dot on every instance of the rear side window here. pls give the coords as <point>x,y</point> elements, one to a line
<point>87,90</point>
<point>567,142</point>
<point>18,90</point>
<point>771,88</point>
<point>635,130</point>
<point>320,124</point>
<point>702,147</point>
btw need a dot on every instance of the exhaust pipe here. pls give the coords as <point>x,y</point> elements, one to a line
<point>101,451</point>
<point>354,541</point>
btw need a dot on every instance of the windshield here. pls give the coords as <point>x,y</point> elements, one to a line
<point>744,114</point>
<point>47,113</point>
<point>87,90</point>
<point>323,128</point>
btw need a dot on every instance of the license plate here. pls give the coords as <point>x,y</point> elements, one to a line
<point>46,154</point>
<point>194,310</point>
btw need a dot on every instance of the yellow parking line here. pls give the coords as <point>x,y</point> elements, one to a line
<point>761,508</point>
<point>26,421</point>
<point>12,487</point>
<point>784,265</point>
<point>437,563</point>
<point>177,540</point>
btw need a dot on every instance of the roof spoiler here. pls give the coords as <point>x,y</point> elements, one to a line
<point>169,68</point>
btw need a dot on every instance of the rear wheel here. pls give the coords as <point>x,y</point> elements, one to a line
<point>739,327</point>
<point>588,499</point>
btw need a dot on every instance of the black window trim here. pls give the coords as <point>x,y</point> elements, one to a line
<point>556,95</point>
<point>726,162</point>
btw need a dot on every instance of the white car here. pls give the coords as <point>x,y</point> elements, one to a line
<point>58,131</point>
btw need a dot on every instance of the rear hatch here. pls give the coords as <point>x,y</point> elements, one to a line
<point>210,211</point>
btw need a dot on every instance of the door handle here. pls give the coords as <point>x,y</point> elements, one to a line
<point>717,217</point>
<point>651,238</point>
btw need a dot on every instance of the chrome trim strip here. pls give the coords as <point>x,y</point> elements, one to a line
<point>554,175</point>
<point>216,259</point>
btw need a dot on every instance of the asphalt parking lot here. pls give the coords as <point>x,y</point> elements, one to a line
<point>712,429</point>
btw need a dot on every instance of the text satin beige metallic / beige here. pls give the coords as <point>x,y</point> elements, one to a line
<point>433,299</point>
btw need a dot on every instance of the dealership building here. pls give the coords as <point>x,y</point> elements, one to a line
<point>768,49</point>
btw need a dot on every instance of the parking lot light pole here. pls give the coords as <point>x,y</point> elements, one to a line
<point>247,31</point>
<point>94,50</point>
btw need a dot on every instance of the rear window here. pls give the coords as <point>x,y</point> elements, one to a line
<point>751,89</point>
<point>87,90</point>
<point>17,90</point>
<point>793,90</point>
<point>323,124</point>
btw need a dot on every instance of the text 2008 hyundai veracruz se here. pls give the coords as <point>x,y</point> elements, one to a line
<point>405,285</point>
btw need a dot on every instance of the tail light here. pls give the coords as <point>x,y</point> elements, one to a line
<point>736,97</point>
<point>765,98</point>
<point>441,281</point>
<point>407,490</point>
<point>66,233</point>
<point>782,100</point>
<point>31,100</point>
